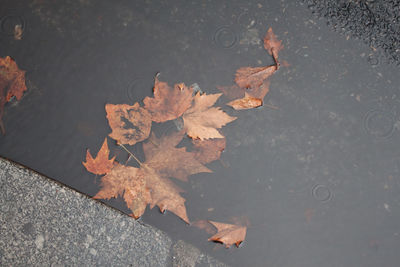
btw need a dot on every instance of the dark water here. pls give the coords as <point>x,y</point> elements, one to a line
<point>318,179</point>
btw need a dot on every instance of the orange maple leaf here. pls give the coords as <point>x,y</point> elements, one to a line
<point>202,120</point>
<point>129,124</point>
<point>209,150</point>
<point>272,45</point>
<point>12,83</point>
<point>168,103</point>
<point>228,234</point>
<point>101,164</point>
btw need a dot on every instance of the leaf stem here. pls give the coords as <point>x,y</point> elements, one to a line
<point>131,154</point>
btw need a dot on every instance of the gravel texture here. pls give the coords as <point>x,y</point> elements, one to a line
<point>376,22</point>
<point>46,224</point>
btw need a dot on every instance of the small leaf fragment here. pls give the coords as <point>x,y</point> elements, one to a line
<point>101,164</point>
<point>247,102</point>
<point>129,124</point>
<point>228,234</point>
<point>12,83</point>
<point>272,44</point>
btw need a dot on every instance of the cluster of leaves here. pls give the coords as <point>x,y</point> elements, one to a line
<point>150,183</point>
<point>12,83</point>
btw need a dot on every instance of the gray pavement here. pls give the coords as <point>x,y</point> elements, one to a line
<point>44,223</point>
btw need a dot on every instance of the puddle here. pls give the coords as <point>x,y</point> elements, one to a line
<point>316,177</point>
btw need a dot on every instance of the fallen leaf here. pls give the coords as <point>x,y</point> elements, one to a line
<point>129,124</point>
<point>228,234</point>
<point>247,102</point>
<point>163,156</point>
<point>12,83</point>
<point>253,77</point>
<point>101,164</point>
<point>18,32</point>
<point>209,150</point>
<point>272,44</point>
<point>202,120</point>
<point>168,103</point>
<point>129,183</point>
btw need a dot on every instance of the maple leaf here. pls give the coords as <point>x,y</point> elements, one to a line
<point>150,183</point>
<point>101,164</point>
<point>163,156</point>
<point>202,120</point>
<point>272,45</point>
<point>253,77</point>
<point>209,150</point>
<point>168,103</point>
<point>129,124</point>
<point>204,225</point>
<point>228,234</point>
<point>129,183</point>
<point>12,83</point>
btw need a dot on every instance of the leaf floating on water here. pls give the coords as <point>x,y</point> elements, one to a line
<point>12,83</point>
<point>201,121</point>
<point>129,124</point>
<point>272,45</point>
<point>249,77</point>
<point>228,234</point>
<point>101,164</point>
<point>168,103</point>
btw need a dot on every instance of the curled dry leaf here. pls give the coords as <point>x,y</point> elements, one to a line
<point>209,150</point>
<point>272,45</point>
<point>12,83</point>
<point>163,156</point>
<point>18,32</point>
<point>101,164</point>
<point>253,77</point>
<point>247,102</point>
<point>228,234</point>
<point>129,124</point>
<point>201,121</point>
<point>129,183</point>
<point>168,103</point>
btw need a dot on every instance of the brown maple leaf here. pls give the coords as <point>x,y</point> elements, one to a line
<point>129,183</point>
<point>12,83</point>
<point>209,150</point>
<point>204,225</point>
<point>168,103</point>
<point>202,120</point>
<point>150,184</point>
<point>163,156</point>
<point>228,234</point>
<point>272,45</point>
<point>101,164</point>
<point>129,124</point>
<point>253,77</point>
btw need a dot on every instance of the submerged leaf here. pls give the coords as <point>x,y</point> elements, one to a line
<point>129,124</point>
<point>12,83</point>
